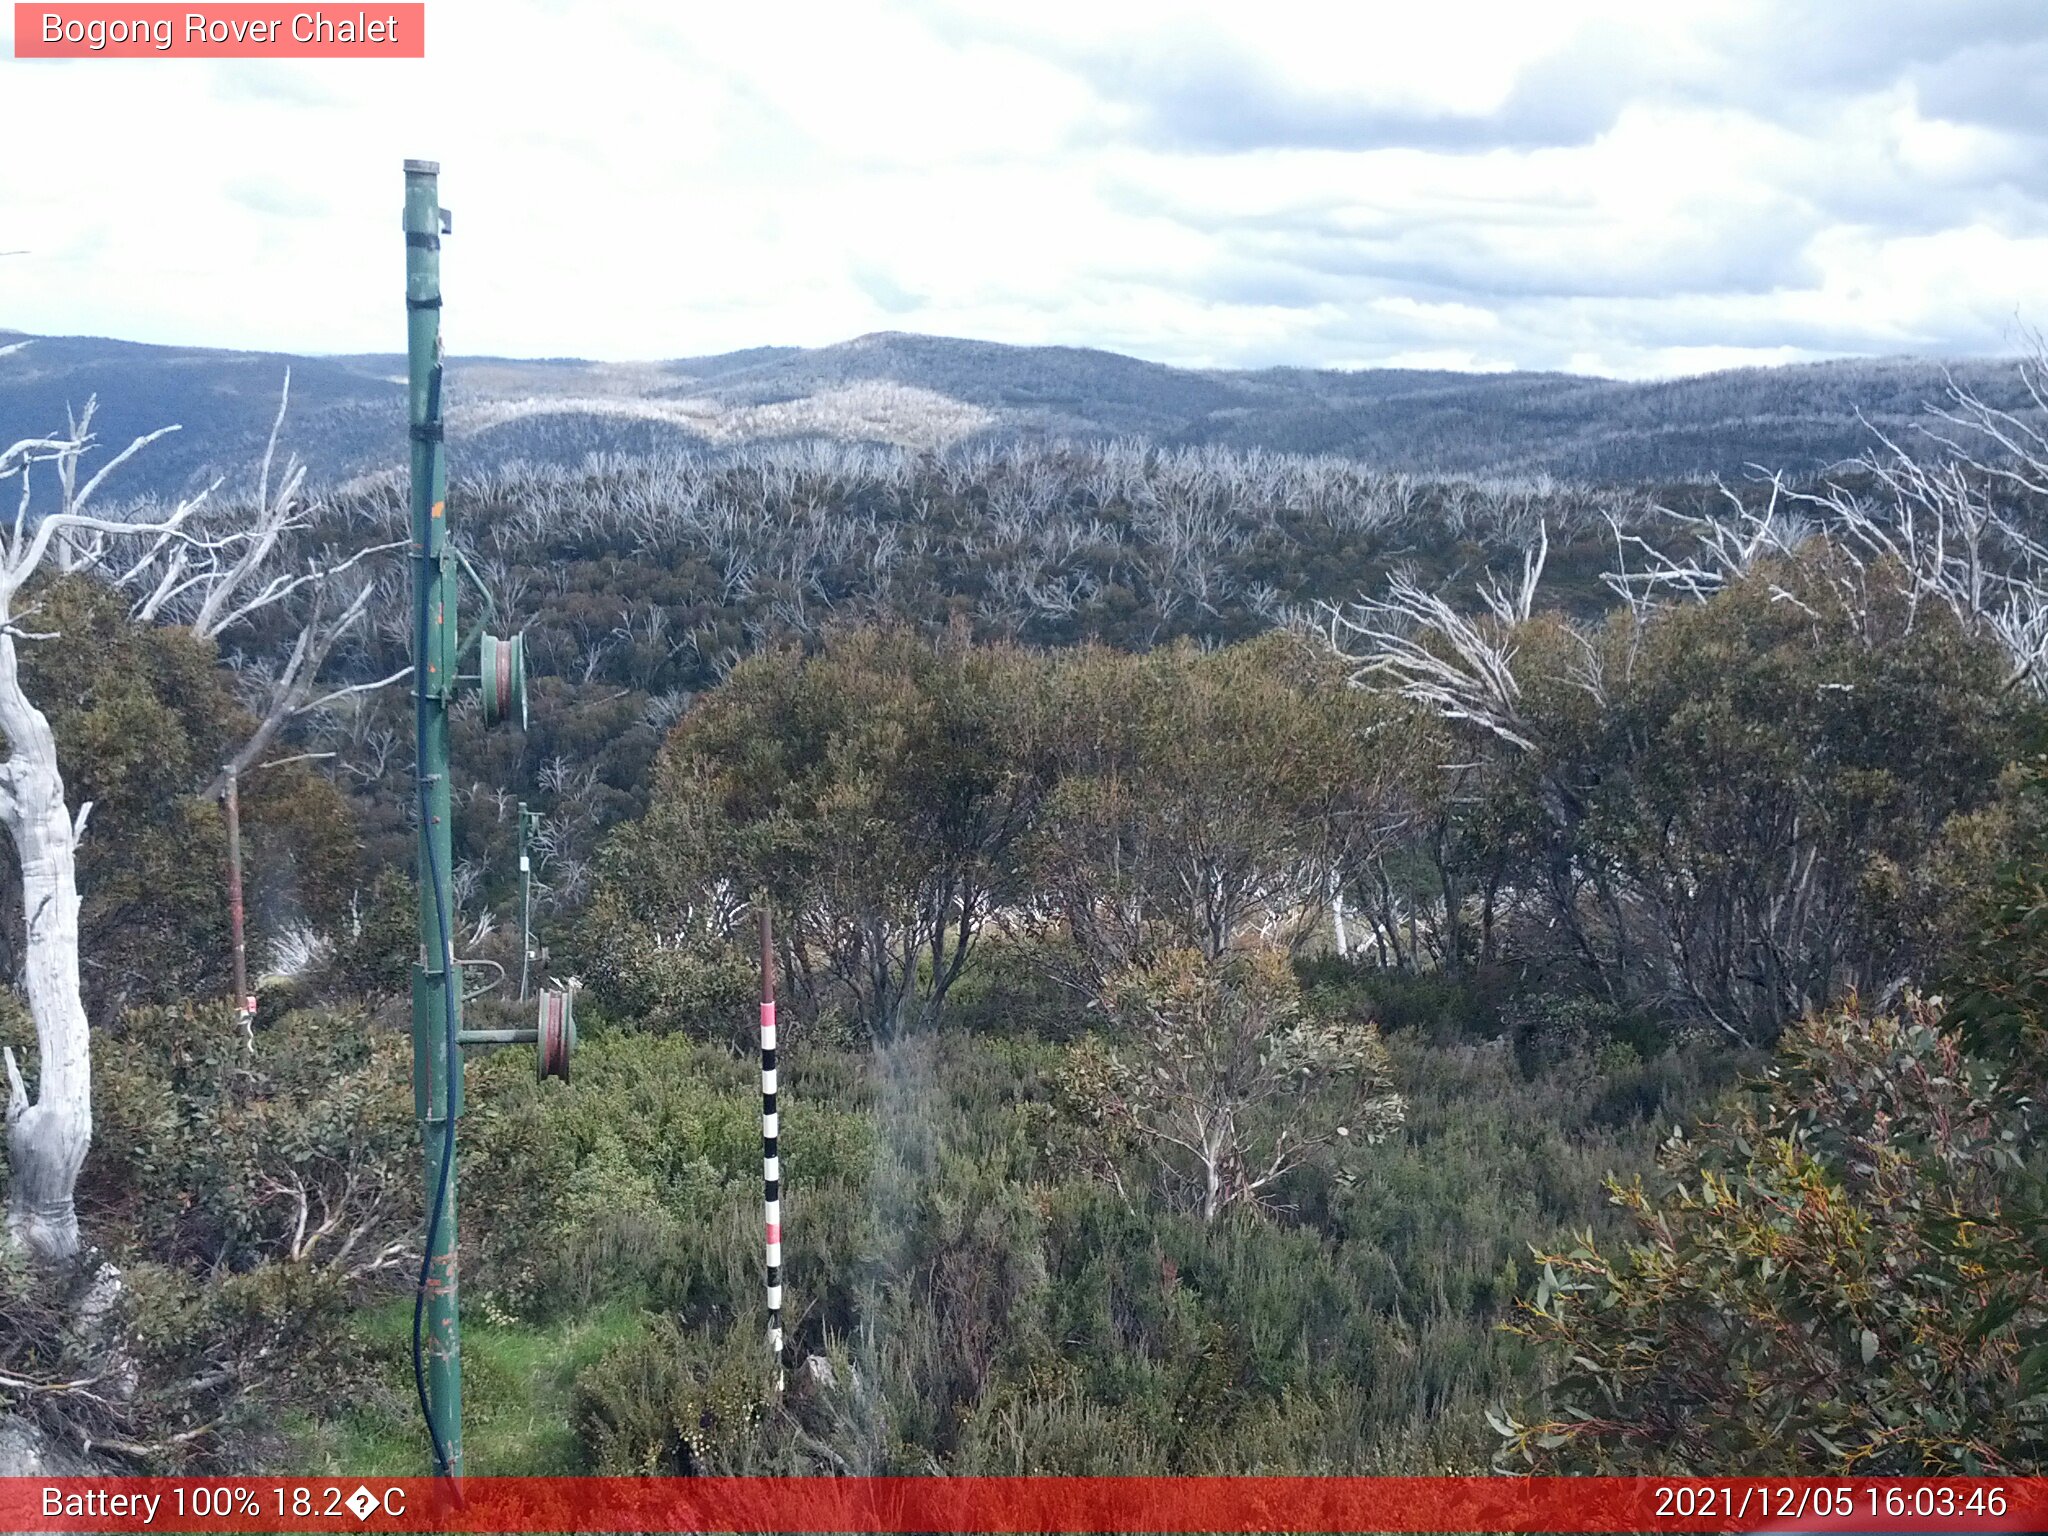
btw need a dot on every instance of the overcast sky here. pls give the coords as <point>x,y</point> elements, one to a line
<point>1608,186</point>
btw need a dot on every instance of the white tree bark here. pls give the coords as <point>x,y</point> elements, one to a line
<point>46,1139</point>
<point>48,1135</point>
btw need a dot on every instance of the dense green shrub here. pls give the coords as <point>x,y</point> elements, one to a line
<point>1550,1029</point>
<point>250,1198</point>
<point>699,980</point>
<point>215,1150</point>
<point>1805,1290</point>
<point>144,716</point>
<point>987,1306</point>
<point>1208,799</point>
<point>638,1179</point>
<point>878,794</point>
<point>1726,809</point>
<point>1224,1082</point>
<point>1435,1005</point>
<point>375,952</point>
<point>669,1401</point>
<point>1022,985</point>
<point>1730,810</point>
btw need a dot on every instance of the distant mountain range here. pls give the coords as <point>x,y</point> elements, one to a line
<point>938,392</point>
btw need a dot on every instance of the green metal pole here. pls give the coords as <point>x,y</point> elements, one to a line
<point>525,901</point>
<point>436,982</point>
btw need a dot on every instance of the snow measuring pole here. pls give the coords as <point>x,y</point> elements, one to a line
<point>436,979</point>
<point>771,1148</point>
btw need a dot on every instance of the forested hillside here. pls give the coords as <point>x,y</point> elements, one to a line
<point>935,393</point>
<point>1288,966</point>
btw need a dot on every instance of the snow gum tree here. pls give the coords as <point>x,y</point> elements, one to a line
<point>47,1136</point>
<point>1223,1079</point>
<point>177,570</point>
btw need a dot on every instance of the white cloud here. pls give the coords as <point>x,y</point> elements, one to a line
<point>1581,184</point>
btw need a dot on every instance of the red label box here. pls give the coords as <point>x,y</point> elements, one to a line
<point>115,31</point>
<point>1027,1506</point>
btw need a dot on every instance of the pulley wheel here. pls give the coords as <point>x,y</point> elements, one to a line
<point>503,669</point>
<point>557,1034</point>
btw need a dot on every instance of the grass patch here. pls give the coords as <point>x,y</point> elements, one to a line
<point>517,1383</point>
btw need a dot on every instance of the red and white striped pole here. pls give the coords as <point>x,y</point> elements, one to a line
<point>771,1159</point>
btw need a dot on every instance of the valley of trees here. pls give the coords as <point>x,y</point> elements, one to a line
<point>1286,969</point>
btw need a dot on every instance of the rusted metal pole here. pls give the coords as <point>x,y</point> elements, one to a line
<point>771,1151</point>
<point>245,1005</point>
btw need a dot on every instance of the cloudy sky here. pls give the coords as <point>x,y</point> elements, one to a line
<point>1607,186</point>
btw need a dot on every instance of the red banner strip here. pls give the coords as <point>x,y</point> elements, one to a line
<point>102,31</point>
<point>1026,1504</point>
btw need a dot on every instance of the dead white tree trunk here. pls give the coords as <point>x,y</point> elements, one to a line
<point>209,580</point>
<point>47,1136</point>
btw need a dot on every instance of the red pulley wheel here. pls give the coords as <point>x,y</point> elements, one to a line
<point>557,1035</point>
<point>501,683</point>
<point>503,680</point>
